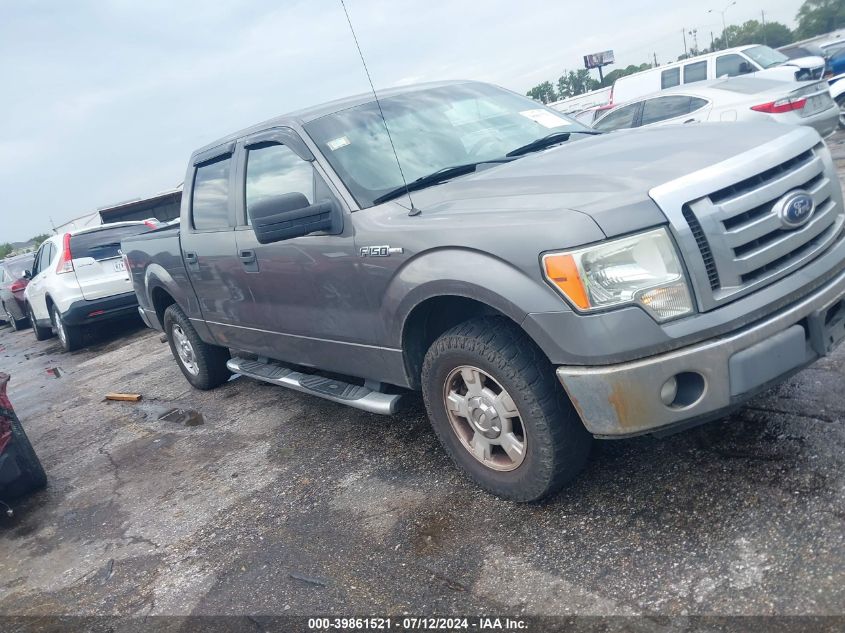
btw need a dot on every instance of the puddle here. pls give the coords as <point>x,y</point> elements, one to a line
<point>188,417</point>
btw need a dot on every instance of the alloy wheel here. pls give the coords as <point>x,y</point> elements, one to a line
<point>485,418</point>
<point>185,350</point>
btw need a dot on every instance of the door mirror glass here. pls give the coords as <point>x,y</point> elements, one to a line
<point>27,274</point>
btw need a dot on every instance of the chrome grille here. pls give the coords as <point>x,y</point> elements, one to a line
<point>743,243</point>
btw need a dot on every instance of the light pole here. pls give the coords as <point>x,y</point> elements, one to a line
<point>724,27</point>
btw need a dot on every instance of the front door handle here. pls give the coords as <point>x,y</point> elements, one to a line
<point>248,259</point>
<point>191,258</point>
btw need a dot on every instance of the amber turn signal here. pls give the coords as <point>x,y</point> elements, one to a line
<point>562,271</point>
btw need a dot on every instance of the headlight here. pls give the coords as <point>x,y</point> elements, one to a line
<point>641,269</point>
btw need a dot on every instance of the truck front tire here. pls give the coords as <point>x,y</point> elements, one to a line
<point>202,364</point>
<point>494,402</point>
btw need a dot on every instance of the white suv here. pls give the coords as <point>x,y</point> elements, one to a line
<point>79,279</point>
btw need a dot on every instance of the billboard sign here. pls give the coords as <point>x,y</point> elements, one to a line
<point>596,60</point>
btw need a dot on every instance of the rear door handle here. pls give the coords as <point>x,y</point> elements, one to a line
<point>190,257</point>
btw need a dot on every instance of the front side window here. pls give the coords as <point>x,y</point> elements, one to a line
<point>670,78</point>
<point>695,72</point>
<point>274,169</point>
<point>431,129</point>
<point>731,65</point>
<point>664,108</point>
<point>618,119</point>
<point>210,200</point>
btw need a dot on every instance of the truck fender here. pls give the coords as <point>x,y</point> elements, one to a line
<point>468,273</point>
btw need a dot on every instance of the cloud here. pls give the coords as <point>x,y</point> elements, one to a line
<point>109,97</point>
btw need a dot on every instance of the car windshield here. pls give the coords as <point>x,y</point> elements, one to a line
<point>765,56</point>
<point>431,129</point>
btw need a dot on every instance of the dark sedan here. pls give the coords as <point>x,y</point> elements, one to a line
<point>12,285</point>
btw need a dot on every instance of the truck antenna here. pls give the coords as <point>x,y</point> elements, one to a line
<point>413,210</point>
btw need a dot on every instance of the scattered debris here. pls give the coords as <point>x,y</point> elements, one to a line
<point>54,372</point>
<point>311,580</point>
<point>123,397</point>
<point>162,338</point>
<point>107,572</point>
<point>188,417</point>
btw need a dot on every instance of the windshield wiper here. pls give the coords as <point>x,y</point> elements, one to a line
<point>433,178</point>
<point>547,141</point>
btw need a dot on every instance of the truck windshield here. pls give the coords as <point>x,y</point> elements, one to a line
<point>765,56</point>
<point>432,129</point>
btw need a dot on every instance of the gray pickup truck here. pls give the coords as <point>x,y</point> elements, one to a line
<point>541,284</point>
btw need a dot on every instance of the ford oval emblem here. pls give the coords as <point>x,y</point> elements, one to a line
<point>795,209</point>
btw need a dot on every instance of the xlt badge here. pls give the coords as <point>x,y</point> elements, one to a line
<point>379,251</point>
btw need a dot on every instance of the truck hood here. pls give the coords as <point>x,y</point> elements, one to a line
<point>607,177</point>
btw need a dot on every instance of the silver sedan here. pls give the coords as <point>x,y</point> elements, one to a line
<point>734,99</point>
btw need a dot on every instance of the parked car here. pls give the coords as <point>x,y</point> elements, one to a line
<point>584,101</point>
<point>736,99</point>
<point>539,282</point>
<point>799,52</point>
<point>21,471</point>
<point>78,280</point>
<point>591,115</point>
<point>762,61</point>
<point>12,285</point>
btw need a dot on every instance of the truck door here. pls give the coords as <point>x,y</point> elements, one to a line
<point>308,304</point>
<point>208,240</point>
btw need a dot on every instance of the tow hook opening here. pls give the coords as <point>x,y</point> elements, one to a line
<point>682,390</point>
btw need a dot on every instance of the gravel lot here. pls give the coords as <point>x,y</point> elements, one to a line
<point>281,503</point>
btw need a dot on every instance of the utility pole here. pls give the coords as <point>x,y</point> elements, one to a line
<point>763,15</point>
<point>712,43</point>
<point>655,60</point>
<point>684,34</point>
<point>724,24</point>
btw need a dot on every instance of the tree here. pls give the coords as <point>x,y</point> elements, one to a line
<point>39,238</point>
<point>5,249</point>
<point>612,76</point>
<point>575,82</point>
<point>816,17</point>
<point>774,34</point>
<point>544,92</point>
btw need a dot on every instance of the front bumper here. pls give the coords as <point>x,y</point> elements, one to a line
<point>714,376</point>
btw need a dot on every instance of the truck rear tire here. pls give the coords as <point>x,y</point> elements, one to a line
<point>494,402</point>
<point>41,333</point>
<point>202,364</point>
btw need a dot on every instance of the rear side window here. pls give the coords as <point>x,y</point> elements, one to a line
<point>663,108</point>
<point>210,203</point>
<point>670,78</point>
<point>103,243</point>
<point>695,72</point>
<point>618,119</point>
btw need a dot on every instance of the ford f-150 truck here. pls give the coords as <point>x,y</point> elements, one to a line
<point>540,283</point>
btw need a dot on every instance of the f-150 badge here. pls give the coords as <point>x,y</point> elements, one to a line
<point>379,251</point>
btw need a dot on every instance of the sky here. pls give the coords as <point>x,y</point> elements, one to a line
<point>104,100</point>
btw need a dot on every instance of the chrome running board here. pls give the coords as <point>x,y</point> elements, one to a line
<point>338,391</point>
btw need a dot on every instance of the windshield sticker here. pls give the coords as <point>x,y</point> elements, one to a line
<point>544,118</point>
<point>337,143</point>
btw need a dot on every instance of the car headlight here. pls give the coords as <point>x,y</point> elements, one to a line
<point>641,269</point>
